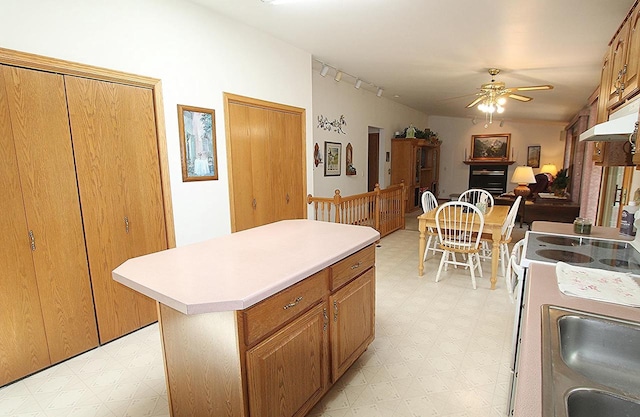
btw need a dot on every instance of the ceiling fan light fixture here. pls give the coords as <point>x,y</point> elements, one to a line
<point>502,101</point>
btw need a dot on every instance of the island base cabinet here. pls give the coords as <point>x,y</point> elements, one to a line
<point>278,357</point>
<point>201,363</point>
<point>353,322</point>
<point>288,372</point>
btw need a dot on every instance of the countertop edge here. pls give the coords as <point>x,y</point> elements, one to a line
<point>133,275</point>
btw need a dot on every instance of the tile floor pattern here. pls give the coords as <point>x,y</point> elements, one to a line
<point>440,350</point>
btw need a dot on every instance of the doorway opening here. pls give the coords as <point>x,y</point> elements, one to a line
<point>373,158</point>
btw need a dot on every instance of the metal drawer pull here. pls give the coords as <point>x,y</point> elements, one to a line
<point>293,304</point>
<point>33,240</point>
<point>356,266</point>
<point>326,318</point>
<point>126,224</point>
<point>335,311</point>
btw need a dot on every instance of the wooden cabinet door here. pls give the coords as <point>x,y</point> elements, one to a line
<point>288,372</point>
<point>353,322</point>
<point>116,160</point>
<point>618,61</point>
<point>605,84</point>
<point>23,342</point>
<point>43,147</point>
<point>632,70</point>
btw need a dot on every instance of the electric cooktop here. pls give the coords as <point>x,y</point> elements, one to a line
<point>611,255</point>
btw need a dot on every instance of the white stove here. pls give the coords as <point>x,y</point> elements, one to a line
<point>610,255</point>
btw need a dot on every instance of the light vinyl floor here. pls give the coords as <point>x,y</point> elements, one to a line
<point>440,350</point>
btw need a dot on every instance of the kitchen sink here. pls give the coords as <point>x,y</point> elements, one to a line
<point>605,351</point>
<point>590,364</point>
<point>593,403</point>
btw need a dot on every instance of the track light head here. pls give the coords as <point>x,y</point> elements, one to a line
<point>324,70</point>
<point>338,76</point>
<point>358,83</point>
<point>379,93</point>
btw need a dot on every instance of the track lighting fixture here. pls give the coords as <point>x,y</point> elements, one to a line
<point>358,82</point>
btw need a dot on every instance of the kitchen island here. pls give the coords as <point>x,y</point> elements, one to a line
<point>261,322</point>
<point>542,289</point>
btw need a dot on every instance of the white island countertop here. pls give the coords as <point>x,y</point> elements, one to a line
<point>234,272</point>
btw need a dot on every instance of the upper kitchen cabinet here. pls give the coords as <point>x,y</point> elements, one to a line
<point>624,54</point>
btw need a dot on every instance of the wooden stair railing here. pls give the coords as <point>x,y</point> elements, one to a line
<point>381,209</point>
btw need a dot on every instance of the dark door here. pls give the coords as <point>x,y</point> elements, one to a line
<point>374,161</point>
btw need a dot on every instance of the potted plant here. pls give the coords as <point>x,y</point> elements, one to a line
<point>560,183</point>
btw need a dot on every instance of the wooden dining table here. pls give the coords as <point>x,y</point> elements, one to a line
<point>493,220</point>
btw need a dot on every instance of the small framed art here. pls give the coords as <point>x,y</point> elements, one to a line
<point>197,143</point>
<point>332,157</point>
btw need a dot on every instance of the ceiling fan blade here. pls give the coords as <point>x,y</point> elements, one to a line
<point>474,102</point>
<point>533,88</point>
<point>519,97</point>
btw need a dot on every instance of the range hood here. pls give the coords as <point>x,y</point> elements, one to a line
<point>620,125</point>
<point>614,130</point>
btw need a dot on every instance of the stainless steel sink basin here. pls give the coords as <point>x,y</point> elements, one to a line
<point>590,364</point>
<point>592,403</point>
<point>605,351</point>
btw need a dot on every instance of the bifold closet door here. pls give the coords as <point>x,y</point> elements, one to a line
<point>267,171</point>
<point>23,343</point>
<point>115,145</point>
<point>40,126</point>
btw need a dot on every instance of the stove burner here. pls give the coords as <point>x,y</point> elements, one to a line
<point>620,263</point>
<point>608,245</point>
<point>564,256</point>
<point>560,240</point>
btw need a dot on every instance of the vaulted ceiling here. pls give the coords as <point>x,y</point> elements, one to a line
<point>433,55</point>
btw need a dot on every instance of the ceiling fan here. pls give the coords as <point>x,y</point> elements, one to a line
<point>493,95</point>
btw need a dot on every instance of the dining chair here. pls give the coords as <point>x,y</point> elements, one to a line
<point>460,227</point>
<point>515,272</point>
<point>505,239</point>
<point>429,202</point>
<point>477,195</point>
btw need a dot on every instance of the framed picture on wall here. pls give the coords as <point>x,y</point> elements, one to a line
<point>332,157</point>
<point>490,147</point>
<point>197,143</point>
<point>533,156</point>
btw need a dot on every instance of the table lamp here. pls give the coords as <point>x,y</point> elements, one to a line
<point>549,169</point>
<point>523,176</point>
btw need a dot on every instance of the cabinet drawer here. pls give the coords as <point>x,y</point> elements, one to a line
<point>349,268</point>
<point>268,315</point>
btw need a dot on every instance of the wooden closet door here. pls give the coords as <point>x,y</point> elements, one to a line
<point>265,149</point>
<point>118,175</point>
<point>285,133</point>
<point>23,343</point>
<point>40,124</point>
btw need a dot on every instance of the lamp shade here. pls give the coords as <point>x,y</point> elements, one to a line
<point>549,169</point>
<point>523,175</point>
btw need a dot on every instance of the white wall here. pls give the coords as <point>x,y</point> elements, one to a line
<point>456,133</point>
<point>361,109</point>
<point>198,55</point>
